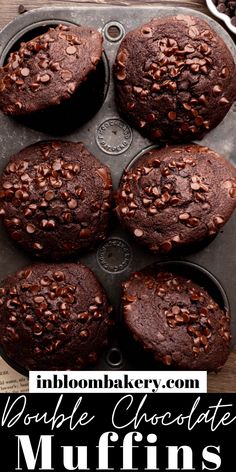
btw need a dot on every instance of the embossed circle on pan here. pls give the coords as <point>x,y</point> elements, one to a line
<point>114,255</point>
<point>113,136</point>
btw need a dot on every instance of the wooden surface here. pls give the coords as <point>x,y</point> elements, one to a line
<point>9,8</point>
<point>225,381</point>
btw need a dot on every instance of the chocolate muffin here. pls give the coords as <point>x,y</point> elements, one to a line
<point>176,196</point>
<point>55,199</point>
<point>175,78</point>
<point>49,69</point>
<point>176,320</point>
<point>53,317</point>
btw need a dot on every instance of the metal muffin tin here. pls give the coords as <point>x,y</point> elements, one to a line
<point>112,140</point>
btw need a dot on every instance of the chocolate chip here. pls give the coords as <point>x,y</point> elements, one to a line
<point>85,233</point>
<point>172,115</point>
<point>25,72</point>
<point>218,220</point>
<point>72,204</point>
<point>71,50</point>
<point>38,299</point>
<point>34,86</point>
<point>217,90</point>
<point>59,276</point>
<point>30,228</point>
<point>232,192</point>
<point>66,75</point>
<point>224,100</point>
<point>138,233</point>
<point>167,360</point>
<point>166,247</point>
<point>184,216</point>
<point>193,222</point>
<point>49,195</point>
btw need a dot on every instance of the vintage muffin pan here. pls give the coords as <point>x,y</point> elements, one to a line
<point>113,141</point>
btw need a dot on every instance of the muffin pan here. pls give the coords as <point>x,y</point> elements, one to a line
<point>112,140</point>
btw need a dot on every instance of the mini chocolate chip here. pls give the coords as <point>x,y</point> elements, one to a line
<point>71,50</point>
<point>172,115</point>
<point>217,90</point>
<point>34,86</point>
<point>224,101</point>
<point>39,299</point>
<point>138,233</point>
<point>84,334</point>
<point>30,228</point>
<point>151,211</point>
<point>45,78</point>
<point>176,310</point>
<point>85,233</point>
<point>49,195</point>
<point>7,185</point>
<point>157,133</point>
<point>193,222</point>
<point>83,316</point>
<point>232,192</point>
<point>195,186</point>
<point>166,246</point>
<point>37,246</point>
<point>224,72</point>
<point>204,187</point>
<point>167,360</point>
<point>176,239</point>
<point>59,276</point>
<point>218,220</point>
<point>66,75</point>
<point>72,204</point>
<point>67,217</point>
<point>25,72</point>
<point>45,281</point>
<point>184,216</point>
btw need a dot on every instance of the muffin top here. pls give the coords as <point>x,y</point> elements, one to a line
<point>176,196</point>
<point>53,317</point>
<point>176,320</point>
<point>48,69</point>
<point>55,199</point>
<point>175,78</point>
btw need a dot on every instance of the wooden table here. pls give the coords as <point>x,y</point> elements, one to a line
<point>225,381</point>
